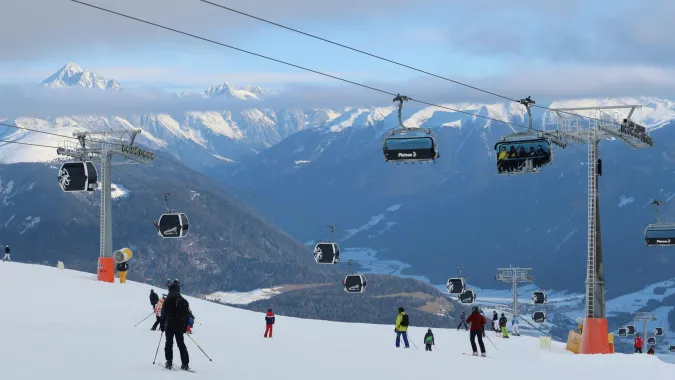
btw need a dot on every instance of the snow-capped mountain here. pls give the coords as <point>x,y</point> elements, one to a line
<point>72,75</point>
<point>226,90</point>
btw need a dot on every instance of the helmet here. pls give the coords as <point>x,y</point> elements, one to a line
<point>429,330</point>
<point>401,309</point>
<point>475,308</point>
<point>269,310</point>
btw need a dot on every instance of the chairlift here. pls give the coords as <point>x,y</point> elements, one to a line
<point>659,331</point>
<point>622,332</point>
<point>651,340</point>
<point>467,296</point>
<point>172,224</point>
<point>403,144</point>
<point>630,330</point>
<point>659,234</point>
<point>355,283</point>
<point>539,316</point>
<point>636,130</point>
<point>671,348</point>
<point>539,297</point>
<point>456,285</point>
<point>78,176</point>
<point>327,252</point>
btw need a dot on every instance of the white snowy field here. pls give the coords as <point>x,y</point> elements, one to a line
<point>66,325</point>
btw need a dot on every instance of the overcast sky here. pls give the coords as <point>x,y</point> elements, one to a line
<point>546,49</point>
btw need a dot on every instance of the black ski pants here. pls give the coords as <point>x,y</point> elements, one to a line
<point>638,350</point>
<point>428,348</point>
<point>172,332</point>
<point>154,327</point>
<point>479,334</point>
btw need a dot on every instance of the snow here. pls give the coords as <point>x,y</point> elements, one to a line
<point>243,298</point>
<point>90,328</point>
<point>625,201</point>
<point>118,191</point>
<point>374,220</point>
<point>72,75</point>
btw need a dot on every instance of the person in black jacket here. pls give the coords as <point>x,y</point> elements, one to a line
<point>6,258</point>
<point>173,321</point>
<point>122,269</point>
<point>429,340</point>
<point>154,298</point>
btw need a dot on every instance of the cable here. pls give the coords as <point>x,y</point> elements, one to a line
<point>35,130</point>
<point>292,64</point>
<point>23,143</point>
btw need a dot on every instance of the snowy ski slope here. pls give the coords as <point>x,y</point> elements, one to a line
<point>66,325</point>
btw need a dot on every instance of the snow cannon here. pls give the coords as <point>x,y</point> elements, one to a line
<point>122,255</point>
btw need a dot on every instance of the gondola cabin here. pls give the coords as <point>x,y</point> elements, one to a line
<point>355,283</point>
<point>539,297</point>
<point>630,330</point>
<point>660,235</point>
<point>327,253</point>
<point>515,156</point>
<point>78,176</point>
<point>539,316</point>
<point>456,285</point>
<point>173,225</point>
<point>651,340</point>
<point>659,331</point>
<point>622,332</point>
<point>410,145</point>
<point>467,296</point>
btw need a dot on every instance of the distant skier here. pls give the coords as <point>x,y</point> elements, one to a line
<point>495,321</point>
<point>462,321</point>
<point>173,319</point>
<point>429,340</point>
<point>154,298</point>
<point>6,257</point>
<point>269,322</point>
<point>190,323</point>
<point>158,312</point>
<point>651,351</point>
<point>401,328</point>
<point>514,323</point>
<point>477,322</point>
<point>482,313</point>
<point>122,269</point>
<point>638,343</point>
<point>502,325</point>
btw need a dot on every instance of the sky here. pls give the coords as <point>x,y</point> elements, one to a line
<point>552,48</point>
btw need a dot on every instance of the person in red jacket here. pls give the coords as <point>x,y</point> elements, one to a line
<point>477,321</point>
<point>269,322</point>
<point>638,344</point>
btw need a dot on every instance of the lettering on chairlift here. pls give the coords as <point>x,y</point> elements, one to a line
<point>407,155</point>
<point>136,151</point>
<point>658,241</point>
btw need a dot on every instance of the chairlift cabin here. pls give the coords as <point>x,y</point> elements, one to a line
<point>173,225</point>
<point>467,296</point>
<point>403,144</point>
<point>651,340</point>
<point>355,283</point>
<point>327,253</point>
<point>522,153</point>
<point>78,176</point>
<point>659,331</point>
<point>630,330</point>
<point>539,316</point>
<point>622,332</point>
<point>660,235</point>
<point>456,285</point>
<point>539,297</point>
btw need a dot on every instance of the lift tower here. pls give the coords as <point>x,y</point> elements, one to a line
<point>101,147</point>
<point>514,276</point>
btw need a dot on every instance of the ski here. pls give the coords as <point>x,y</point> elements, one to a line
<point>175,369</point>
<point>464,353</point>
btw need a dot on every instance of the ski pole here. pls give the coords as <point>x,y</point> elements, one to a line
<point>413,342</point>
<point>490,340</point>
<point>200,349</point>
<point>158,344</point>
<point>144,319</point>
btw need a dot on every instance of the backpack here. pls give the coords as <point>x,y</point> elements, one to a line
<point>182,309</point>
<point>404,321</point>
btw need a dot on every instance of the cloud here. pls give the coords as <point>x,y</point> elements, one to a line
<point>601,32</point>
<point>60,29</point>
<point>570,82</point>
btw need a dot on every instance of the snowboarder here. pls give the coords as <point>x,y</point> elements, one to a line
<point>638,343</point>
<point>401,328</point>
<point>495,321</point>
<point>514,323</point>
<point>122,269</point>
<point>158,312</point>
<point>502,325</point>
<point>462,321</point>
<point>269,322</point>
<point>429,340</point>
<point>477,322</point>
<point>173,322</point>
<point>6,257</point>
<point>154,298</point>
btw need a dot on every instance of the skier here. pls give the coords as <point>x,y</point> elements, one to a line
<point>429,340</point>
<point>477,322</point>
<point>269,322</point>
<point>401,328</point>
<point>154,298</point>
<point>122,269</point>
<point>158,312</point>
<point>502,325</point>
<point>651,351</point>
<point>482,313</point>
<point>174,318</point>
<point>6,258</point>
<point>495,321</point>
<point>638,343</point>
<point>191,322</point>
<point>514,323</point>
<point>462,321</point>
